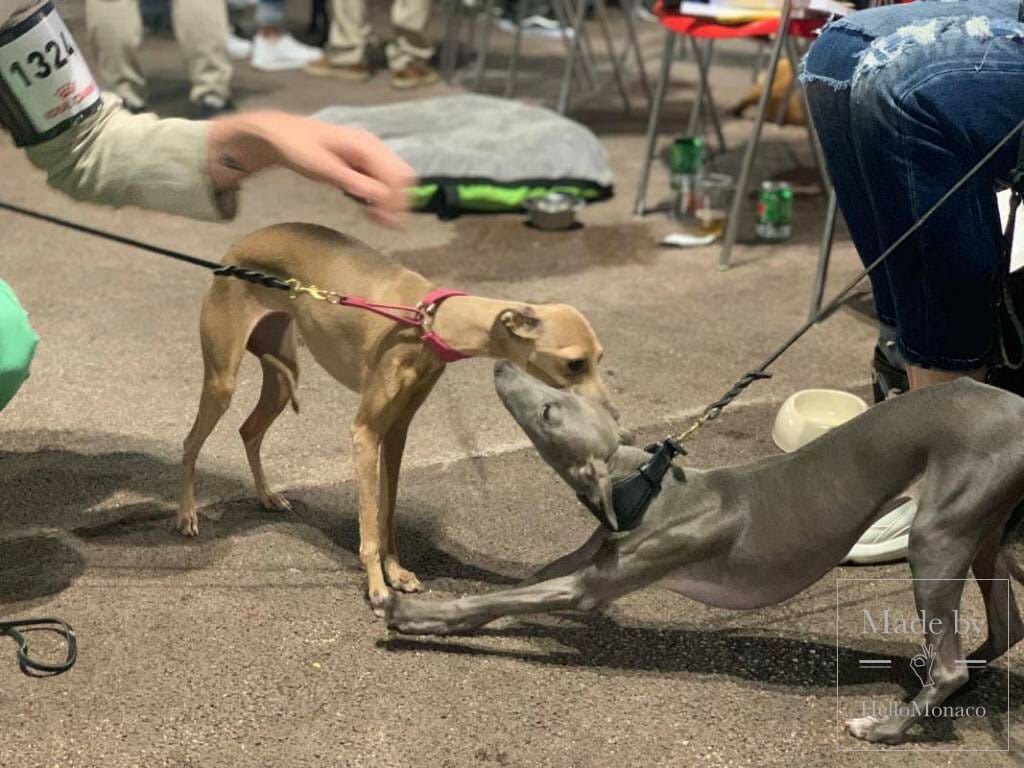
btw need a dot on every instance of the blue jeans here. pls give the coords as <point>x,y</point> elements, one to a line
<point>905,100</point>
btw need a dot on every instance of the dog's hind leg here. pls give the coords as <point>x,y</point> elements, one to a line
<point>391,464</point>
<point>273,342</point>
<point>1004,623</point>
<point>228,315</point>
<point>939,559</point>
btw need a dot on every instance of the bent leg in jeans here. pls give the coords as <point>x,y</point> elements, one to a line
<point>906,99</point>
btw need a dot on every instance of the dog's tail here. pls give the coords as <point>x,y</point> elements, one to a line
<point>286,372</point>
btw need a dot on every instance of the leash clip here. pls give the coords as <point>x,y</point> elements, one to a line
<point>296,289</point>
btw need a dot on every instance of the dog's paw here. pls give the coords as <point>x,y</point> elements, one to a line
<point>275,502</point>
<point>401,579</point>
<point>187,526</point>
<point>860,727</point>
<point>379,601</point>
<point>877,731</point>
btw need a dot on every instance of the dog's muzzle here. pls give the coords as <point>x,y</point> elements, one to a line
<point>633,494</point>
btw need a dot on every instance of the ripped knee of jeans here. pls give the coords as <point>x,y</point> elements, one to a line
<point>891,48</point>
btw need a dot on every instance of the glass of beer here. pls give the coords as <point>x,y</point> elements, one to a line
<point>712,197</point>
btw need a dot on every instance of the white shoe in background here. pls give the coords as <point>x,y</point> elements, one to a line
<point>886,539</point>
<point>276,53</point>
<point>238,47</point>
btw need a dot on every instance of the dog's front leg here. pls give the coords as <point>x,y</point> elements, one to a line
<point>571,562</point>
<point>607,576</point>
<point>366,454</point>
<point>422,616</point>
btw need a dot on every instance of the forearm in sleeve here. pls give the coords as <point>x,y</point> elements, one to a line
<point>117,158</point>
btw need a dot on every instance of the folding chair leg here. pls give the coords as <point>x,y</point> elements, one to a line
<point>511,76</point>
<point>485,41</point>
<point>629,9</point>
<point>577,27</point>
<point>640,208</point>
<point>452,12</point>
<point>694,123</point>
<point>709,99</point>
<point>824,256</point>
<point>620,81</point>
<point>732,224</point>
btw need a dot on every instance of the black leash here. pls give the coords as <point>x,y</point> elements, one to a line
<point>221,270</point>
<point>633,494</point>
<point>28,665</point>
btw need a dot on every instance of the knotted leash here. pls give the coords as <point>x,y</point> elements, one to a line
<point>633,494</point>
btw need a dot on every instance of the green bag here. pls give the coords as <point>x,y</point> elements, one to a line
<point>17,344</point>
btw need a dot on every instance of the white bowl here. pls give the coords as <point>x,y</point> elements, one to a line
<point>810,413</point>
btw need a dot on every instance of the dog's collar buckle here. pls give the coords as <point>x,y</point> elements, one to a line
<point>632,495</point>
<point>427,308</point>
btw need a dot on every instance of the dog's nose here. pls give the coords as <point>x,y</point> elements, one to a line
<point>501,368</point>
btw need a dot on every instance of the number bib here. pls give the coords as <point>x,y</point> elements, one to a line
<point>45,83</point>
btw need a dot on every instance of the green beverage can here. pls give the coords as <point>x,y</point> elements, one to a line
<point>687,156</point>
<point>774,210</point>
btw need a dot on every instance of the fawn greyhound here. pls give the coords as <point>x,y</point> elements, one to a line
<point>392,365</point>
<point>751,536</point>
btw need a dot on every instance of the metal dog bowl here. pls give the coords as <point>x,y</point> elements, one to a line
<point>554,210</point>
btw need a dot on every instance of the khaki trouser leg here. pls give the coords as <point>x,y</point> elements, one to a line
<point>409,18</point>
<point>201,27</point>
<point>350,32</point>
<point>115,31</point>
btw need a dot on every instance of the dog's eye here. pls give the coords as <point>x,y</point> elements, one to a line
<point>579,365</point>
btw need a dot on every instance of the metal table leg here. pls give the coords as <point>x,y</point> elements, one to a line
<point>732,224</point>
<point>640,208</point>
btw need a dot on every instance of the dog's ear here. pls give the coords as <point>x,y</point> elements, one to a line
<point>522,323</point>
<point>596,483</point>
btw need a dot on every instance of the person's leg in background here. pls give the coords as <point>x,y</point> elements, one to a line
<point>409,53</point>
<point>17,345</point>
<point>115,31</point>
<point>347,40</point>
<point>201,28</point>
<point>274,49</point>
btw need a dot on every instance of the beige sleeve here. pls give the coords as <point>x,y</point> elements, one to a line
<point>117,158</point>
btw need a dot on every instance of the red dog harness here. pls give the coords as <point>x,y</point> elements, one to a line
<point>421,316</point>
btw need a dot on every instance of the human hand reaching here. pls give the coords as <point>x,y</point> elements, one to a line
<point>350,159</point>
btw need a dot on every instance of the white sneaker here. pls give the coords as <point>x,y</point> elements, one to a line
<point>238,47</point>
<point>887,537</point>
<point>281,52</point>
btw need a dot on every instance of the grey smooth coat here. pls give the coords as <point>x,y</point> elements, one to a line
<point>754,535</point>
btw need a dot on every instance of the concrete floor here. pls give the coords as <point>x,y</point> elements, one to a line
<point>252,645</point>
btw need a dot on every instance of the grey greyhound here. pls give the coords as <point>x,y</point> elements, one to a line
<point>751,536</point>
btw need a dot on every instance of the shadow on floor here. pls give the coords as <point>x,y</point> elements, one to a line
<point>598,641</point>
<point>65,508</point>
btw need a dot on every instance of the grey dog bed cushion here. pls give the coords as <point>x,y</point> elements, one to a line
<point>461,146</point>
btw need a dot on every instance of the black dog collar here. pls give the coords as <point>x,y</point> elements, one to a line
<point>633,494</point>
